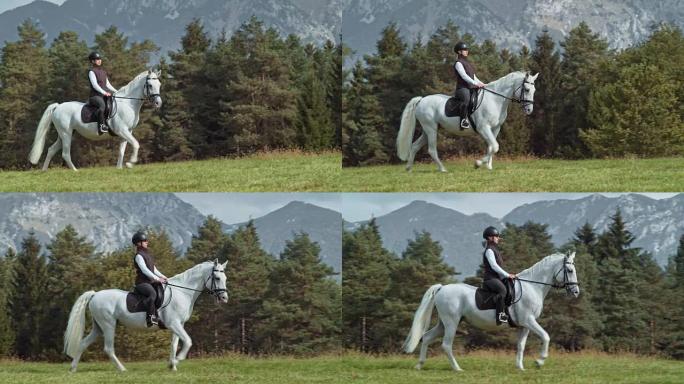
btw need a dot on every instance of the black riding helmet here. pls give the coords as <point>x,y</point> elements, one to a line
<point>138,237</point>
<point>94,56</point>
<point>460,46</point>
<point>490,231</point>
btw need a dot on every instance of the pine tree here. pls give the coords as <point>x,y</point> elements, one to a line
<point>261,112</point>
<point>363,123</point>
<point>22,92</point>
<point>7,276</point>
<point>208,243</point>
<point>314,122</point>
<point>582,53</point>
<point>248,271</point>
<point>366,279</point>
<point>300,313</point>
<point>673,341</point>
<point>546,62</point>
<point>29,302</point>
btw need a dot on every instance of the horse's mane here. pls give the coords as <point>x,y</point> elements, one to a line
<point>183,276</point>
<point>124,90</point>
<point>543,264</point>
<point>507,77</point>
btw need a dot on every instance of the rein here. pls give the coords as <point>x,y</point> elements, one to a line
<point>521,101</point>
<point>566,283</point>
<point>213,291</point>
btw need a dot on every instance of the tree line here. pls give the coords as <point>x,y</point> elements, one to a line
<point>627,302</point>
<point>288,305</point>
<point>590,101</point>
<point>228,96</point>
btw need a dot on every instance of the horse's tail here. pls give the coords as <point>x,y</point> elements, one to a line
<point>421,320</point>
<point>76,325</point>
<point>41,133</point>
<point>407,127</point>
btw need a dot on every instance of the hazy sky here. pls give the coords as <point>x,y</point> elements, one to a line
<point>363,206</point>
<point>10,4</point>
<point>234,208</point>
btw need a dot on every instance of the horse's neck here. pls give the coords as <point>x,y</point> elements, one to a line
<point>506,85</point>
<point>193,279</point>
<point>135,90</point>
<point>542,274</point>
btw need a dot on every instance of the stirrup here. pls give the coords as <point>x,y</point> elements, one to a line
<point>152,320</point>
<point>503,317</point>
<point>465,124</point>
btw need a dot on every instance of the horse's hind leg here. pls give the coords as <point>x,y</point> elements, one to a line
<point>450,326</point>
<point>52,151</point>
<point>108,329</point>
<point>65,138</point>
<point>415,147</point>
<point>430,129</point>
<point>85,343</point>
<point>427,339</point>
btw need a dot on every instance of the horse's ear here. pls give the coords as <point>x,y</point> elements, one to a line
<point>225,265</point>
<point>533,78</point>
<point>216,261</point>
<point>149,71</point>
<point>571,257</point>
<point>159,73</point>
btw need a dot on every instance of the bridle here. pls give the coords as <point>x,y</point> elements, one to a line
<point>147,92</point>
<point>567,284</point>
<point>214,291</point>
<point>520,100</point>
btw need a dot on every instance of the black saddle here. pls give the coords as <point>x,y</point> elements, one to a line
<point>89,111</point>
<point>134,301</point>
<point>484,299</point>
<point>453,106</point>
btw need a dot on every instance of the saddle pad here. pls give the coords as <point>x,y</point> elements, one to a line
<point>89,114</point>
<point>452,107</point>
<point>134,302</point>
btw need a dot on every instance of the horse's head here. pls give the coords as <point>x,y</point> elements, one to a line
<point>152,88</point>
<point>567,275</point>
<point>527,93</point>
<point>216,282</point>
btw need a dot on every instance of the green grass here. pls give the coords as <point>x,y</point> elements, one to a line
<point>265,172</point>
<point>479,367</point>
<point>522,175</point>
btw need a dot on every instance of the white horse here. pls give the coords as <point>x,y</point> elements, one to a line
<point>67,118</point>
<point>488,117</point>
<point>457,301</point>
<point>109,306</point>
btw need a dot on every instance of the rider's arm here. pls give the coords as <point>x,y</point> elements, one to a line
<point>477,80</point>
<point>461,71</point>
<point>156,272</point>
<point>492,263</point>
<point>93,82</point>
<point>146,271</point>
<point>110,87</point>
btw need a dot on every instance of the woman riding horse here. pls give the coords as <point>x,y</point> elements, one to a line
<point>99,90</point>
<point>466,80</point>
<point>494,274</point>
<point>146,276</point>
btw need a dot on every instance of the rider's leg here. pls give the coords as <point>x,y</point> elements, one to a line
<point>99,102</point>
<point>150,294</point>
<point>496,285</point>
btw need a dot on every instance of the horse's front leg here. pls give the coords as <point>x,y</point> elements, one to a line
<point>128,136</point>
<point>492,147</point>
<point>122,153</point>
<point>173,362</point>
<point>177,329</point>
<point>544,336</point>
<point>522,339</point>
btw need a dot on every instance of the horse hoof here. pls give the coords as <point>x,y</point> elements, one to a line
<point>129,165</point>
<point>539,363</point>
<point>443,170</point>
<point>478,163</point>
<point>418,366</point>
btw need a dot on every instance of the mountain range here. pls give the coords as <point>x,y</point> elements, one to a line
<point>109,219</point>
<point>509,23</point>
<point>656,224</point>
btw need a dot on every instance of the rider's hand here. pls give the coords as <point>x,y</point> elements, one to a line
<point>512,276</point>
<point>162,280</point>
<point>107,94</point>
<point>480,85</point>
